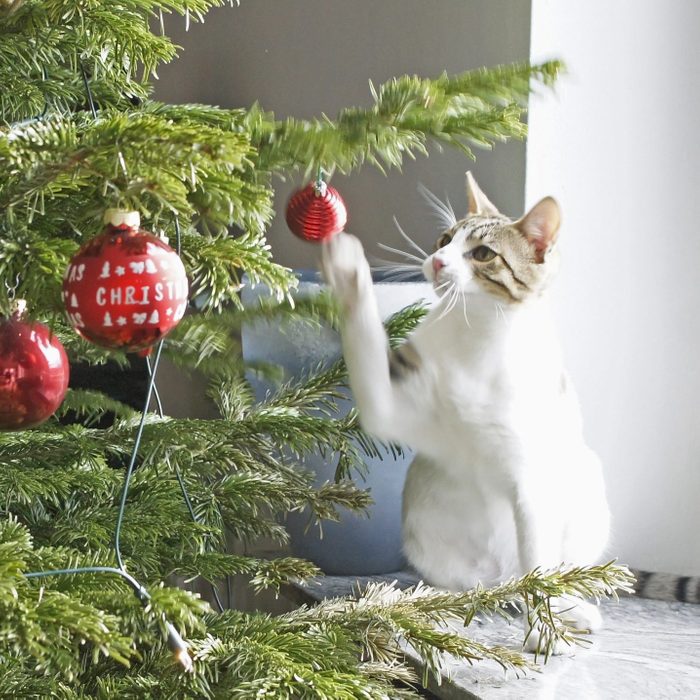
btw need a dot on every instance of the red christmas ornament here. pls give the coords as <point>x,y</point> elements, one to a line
<point>316,213</point>
<point>126,288</point>
<point>34,372</point>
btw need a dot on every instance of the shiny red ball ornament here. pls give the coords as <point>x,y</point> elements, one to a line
<point>316,213</point>
<point>34,372</point>
<point>126,288</point>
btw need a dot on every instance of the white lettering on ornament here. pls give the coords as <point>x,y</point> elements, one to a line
<point>77,320</point>
<point>76,272</point>
<point>139,296</point>
<point>180,311</point>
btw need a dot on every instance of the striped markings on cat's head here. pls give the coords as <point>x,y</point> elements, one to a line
<point>488,252</point>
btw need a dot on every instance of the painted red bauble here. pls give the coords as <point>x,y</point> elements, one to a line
<point>34,373</point>
<point>316,213</point>
<point>126,288</point>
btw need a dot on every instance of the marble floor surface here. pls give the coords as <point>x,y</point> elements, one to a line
<point>647,649</point>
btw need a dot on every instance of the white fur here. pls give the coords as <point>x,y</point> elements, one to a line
<point>503,481</point>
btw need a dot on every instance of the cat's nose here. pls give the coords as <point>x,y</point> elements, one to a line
<point>437,265</point>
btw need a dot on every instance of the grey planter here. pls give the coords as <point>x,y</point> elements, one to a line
<point>356,544</point>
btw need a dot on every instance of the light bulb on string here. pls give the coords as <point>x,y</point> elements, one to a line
<point>178,646</point>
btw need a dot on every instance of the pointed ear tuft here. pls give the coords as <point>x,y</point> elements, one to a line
<point>540,226</point>
<point>478,202</point>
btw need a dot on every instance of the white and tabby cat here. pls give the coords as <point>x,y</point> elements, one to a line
<point>503,481</point>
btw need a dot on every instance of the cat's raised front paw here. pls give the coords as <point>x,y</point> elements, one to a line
<point>345,268</point>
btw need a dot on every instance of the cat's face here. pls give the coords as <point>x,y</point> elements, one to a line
<point>487,253</point>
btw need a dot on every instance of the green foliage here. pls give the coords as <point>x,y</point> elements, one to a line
<point>43,43</point>
<point>253,655</point>
<point>478,107</point>
<point>205,173</point>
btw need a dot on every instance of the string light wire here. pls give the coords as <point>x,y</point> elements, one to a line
<point>175,642</point>
<point>134,455</point>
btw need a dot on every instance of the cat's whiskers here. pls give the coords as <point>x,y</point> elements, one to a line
<point>450,298</point>
<point>443,298</point>
<point>442,210</point>
<point>403,253</point>
<point>402,270</point>
<point>464,310</point>
<point>393,270</point>
<point>443,285</point>
<point>409,240</point>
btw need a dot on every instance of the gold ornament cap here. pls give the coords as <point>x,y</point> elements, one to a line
<point>122,218</point>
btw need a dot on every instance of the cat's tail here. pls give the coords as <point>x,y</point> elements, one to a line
<point>659,586</point>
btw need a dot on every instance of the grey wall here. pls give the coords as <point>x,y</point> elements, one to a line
<point>305,58</point>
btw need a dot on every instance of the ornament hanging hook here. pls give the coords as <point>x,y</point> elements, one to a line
<point>12,289</point>
<point>320,185</point>
<point>320,175</point>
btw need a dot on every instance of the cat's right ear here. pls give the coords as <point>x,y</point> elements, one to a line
<point>479,203</point>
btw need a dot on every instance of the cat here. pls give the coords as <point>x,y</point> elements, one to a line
<point>503,481</point>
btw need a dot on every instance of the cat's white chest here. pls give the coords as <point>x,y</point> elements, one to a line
<point>492,393</point>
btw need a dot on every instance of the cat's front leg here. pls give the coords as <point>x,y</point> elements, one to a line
<point>365,345</point>
<point>539,529</point>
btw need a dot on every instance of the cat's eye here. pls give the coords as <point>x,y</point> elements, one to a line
<point>443,241</point>
<point>483,253</point>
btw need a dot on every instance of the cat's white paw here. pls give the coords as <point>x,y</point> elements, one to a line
<point>534,644</point>
<point>345,268</point>
<point>581,616</point>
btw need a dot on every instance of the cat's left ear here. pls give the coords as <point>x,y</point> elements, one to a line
<point>541,225</point>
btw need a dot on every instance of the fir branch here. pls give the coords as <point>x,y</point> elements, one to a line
<point>264,573</point>
<point>48,625</point>
<point>113,38</point>
<point>478,107</point>
<point>91,406</point>
<point>217,266</point>
<point>157,167</point>
<point>385,613</point>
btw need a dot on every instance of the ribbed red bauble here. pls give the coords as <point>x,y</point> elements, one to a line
<point>126,288</point>
<point>34,372</point>
<point>316,213</point>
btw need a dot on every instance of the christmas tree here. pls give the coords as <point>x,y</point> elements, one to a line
<point>102,501</point>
